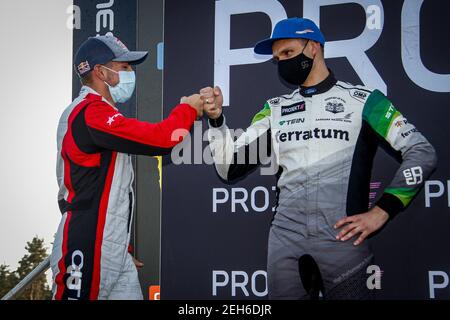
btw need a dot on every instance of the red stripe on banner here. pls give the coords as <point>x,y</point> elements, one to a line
<point>95,287</point>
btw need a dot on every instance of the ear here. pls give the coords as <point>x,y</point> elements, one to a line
<point>100,72</point>
<point>315,48</point>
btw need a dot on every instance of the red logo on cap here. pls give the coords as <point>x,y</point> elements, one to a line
<point>120,43</point>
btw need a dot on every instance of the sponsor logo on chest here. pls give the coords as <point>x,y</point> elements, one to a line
<point>293,108</point>
<point>292,121</point>
<point>317,134</point>
<point>346,118</point>
<point>335,105</point>
<point>360,94</point>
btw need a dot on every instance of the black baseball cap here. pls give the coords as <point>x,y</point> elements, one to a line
<point>104,49</point>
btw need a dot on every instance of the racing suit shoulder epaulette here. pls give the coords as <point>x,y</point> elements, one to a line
<point>358,92</point>
<point>349,86</point>
<point>275,101</point>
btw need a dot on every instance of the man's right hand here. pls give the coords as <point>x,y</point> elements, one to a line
<point>213,99</point>
<point>196,101</point>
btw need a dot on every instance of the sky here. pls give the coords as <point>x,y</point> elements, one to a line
<point>35,87</point>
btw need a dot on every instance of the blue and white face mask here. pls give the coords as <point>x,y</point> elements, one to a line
<point>123,91</point>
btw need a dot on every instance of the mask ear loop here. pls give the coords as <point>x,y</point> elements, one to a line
<point>305,46</point>
<point>109,69</point>
<point>116,72</point>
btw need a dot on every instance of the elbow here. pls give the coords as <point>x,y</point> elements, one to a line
<point>428,159</point>
<point>425,155</point>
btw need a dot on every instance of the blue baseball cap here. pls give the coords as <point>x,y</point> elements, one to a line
<point>290,29</point>
<point>104,49</point>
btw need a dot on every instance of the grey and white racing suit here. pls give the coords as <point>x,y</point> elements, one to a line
<point>324,139</point>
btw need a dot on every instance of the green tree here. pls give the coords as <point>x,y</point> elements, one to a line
<point>39,289</point>
<point>8,279</point>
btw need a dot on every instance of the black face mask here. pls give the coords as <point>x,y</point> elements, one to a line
<point>297,69</point>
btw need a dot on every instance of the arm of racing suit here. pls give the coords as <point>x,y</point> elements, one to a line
<point>234,159</point>
<point>111,130</point>
<point>418,157</point>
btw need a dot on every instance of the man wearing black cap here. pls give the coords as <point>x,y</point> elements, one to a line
<point>90,258</point>
<point>323,137</point>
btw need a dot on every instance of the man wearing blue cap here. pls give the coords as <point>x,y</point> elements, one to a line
<point>90,258</point>
<point>323,137</point>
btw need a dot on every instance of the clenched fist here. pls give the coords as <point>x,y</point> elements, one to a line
<point>196,101</point>
<point>213,100</point>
